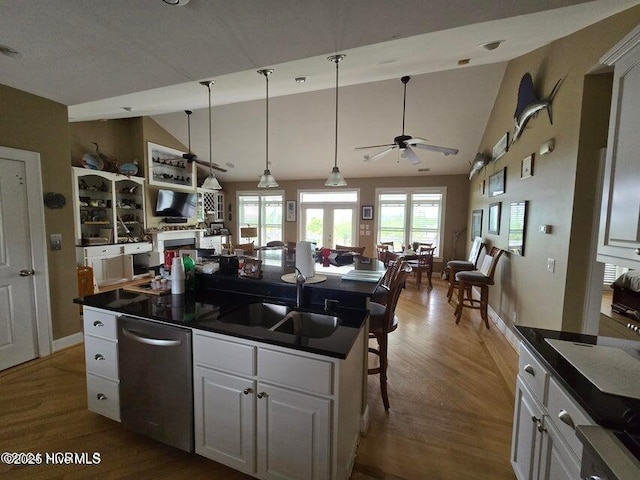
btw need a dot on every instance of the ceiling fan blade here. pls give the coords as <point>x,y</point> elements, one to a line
<point>420,143</point>
<point>375,146</point>
<point>372,158</point>
<point>206,164</point>
<point>410,155</point>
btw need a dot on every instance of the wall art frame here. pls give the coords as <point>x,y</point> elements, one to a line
<point>495,210</point>
<point>497,182</point>
<point>367,212</point>
<point>476,223</point>
<point>291,211</point>
<point>500,148</point>
<point>526,167</point>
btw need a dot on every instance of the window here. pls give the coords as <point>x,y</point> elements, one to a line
<point>414,215</point>
<point>263,211</point>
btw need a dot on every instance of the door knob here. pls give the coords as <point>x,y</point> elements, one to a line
<point>26,273</point>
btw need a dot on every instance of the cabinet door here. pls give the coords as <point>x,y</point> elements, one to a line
<point>526,441</point>
<point>557,460</point>
<point>293,435</point>
<point>224,423</point>
<point>619,240</point>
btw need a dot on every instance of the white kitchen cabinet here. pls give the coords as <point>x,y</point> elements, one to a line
<point>101,357</point>
<point>276,413</point>
<point>544,445</point>
<point>619,237</point>
<point>212,205</point>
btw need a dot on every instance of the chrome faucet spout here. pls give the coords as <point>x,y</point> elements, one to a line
<point>300,279</point>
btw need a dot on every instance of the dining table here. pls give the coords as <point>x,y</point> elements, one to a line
<point>418,262</point>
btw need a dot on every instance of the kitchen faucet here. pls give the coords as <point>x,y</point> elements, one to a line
<point>300,279</point>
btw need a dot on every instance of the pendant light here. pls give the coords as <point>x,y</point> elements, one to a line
<point>335,177</point>
<point>267,180</point>
<point>211,182</point>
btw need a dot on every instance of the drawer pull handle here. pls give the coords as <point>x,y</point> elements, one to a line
<point>262,395</point>
<point>566,418</point>
<point>529,369</point>
<point>538,422</point>
<point>101,396</point>
<point>247,391</point>
<point>637,250</point>
<point>98,323</point>
<point>99,356</point>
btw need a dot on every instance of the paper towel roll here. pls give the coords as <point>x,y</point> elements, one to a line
<point>177,276</point>
<point>304,259</point>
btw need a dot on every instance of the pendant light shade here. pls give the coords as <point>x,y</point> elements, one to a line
<point>267,180</point>
<point>335,177</point>
<point>211,182</point>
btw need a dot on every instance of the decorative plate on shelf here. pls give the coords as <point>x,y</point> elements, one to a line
<point>129,168</point>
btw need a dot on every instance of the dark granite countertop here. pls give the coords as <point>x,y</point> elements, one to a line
<point>216,294</point>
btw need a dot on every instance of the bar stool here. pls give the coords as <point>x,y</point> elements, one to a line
<point>482,279</point>
<point>455,266</point>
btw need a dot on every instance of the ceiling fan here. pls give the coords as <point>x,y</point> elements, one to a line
<point>405,142</point>
<point>192,157</point>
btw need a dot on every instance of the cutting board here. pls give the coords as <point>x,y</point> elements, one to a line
<point>610,369</point>
<point>146,288</point>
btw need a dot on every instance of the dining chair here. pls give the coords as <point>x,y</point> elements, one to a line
<point>382,252</point>
<point>382,321</point>
<point>381,293</point>
<point>358,250</point>
<point>247,248</point>
<point>482,278</point>
<point>455,266</point>
<point>423,263</point>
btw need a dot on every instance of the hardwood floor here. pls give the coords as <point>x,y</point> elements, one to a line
<point>451,390</point>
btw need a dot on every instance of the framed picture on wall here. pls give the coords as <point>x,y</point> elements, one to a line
<point>367,212</point>
<point>494,218</point>
<point>526,168</point>
<point>476,224</point>
<point>497,183</point>
<point>291,210</point>
<point>501,147</point>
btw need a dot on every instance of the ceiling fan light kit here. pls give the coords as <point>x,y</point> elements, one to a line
<point>404,143</point>
<point>211,182</point>
<point>267,180</point>
<point>335,178</point>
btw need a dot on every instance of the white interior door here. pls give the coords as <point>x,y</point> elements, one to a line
<point>18,340</point>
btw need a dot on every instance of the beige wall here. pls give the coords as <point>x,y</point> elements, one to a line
<point>39,125</point>
<point>562,191</point>
<point>455,215</point>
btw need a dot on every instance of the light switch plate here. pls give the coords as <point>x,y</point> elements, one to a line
<point>551,264</point>
<point>56,241</point>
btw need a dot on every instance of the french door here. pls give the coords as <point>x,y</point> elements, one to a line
<point>328,225</point>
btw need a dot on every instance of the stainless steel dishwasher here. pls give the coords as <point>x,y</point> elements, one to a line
<point>156,381</point>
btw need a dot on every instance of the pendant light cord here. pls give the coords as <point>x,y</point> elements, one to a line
<point>404,106</point>
<point>337,60</point>
<point>210,141</point>
<point>266,76</point>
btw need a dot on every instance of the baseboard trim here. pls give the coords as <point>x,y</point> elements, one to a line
<point>364,421</point>
<point>66,342</point>
<point>502,326</point>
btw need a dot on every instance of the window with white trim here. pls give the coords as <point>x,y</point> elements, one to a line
<point>411,215</point>
<point>265,212</point>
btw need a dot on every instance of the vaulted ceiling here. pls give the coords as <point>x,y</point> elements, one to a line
<point>118,58</point>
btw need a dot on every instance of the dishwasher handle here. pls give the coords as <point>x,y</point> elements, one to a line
<point>157,342</point>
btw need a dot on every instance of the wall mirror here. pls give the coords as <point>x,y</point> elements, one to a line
<point>517,227</point>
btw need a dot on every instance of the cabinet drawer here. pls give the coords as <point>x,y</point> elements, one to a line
<point>534,375</point>
<point>560,407</point>
<point>103,397</point>
<point>103,251</point>
<point>224,355</point>
<point>131,248</point>
<point>101,356</point>
<point>100,323</point>
<point>295,371</point>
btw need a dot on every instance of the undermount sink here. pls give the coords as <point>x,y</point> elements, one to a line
<point>307,324</point>
<point>283,319</point>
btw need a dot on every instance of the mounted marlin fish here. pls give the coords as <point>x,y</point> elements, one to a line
<point>529,104</point>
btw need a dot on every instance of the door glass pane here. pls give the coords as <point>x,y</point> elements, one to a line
<point>343,227</point>
<point>314,224</point>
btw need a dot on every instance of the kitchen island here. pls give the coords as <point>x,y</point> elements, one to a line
<point>270,401</point>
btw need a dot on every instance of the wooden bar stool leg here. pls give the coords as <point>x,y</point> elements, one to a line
<point>452,283</point>
<point>461,290</point>
<point>484,301</point>
<point>383,371</point>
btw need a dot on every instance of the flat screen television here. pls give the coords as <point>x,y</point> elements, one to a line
<point>175,204</point>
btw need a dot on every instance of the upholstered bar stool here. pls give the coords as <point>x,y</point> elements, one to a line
<point>455,266</point>
<point>482,279</point>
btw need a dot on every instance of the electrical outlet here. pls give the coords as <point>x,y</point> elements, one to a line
<point>56,241</point>
<point>551,264</point>
<point>515,317</point>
